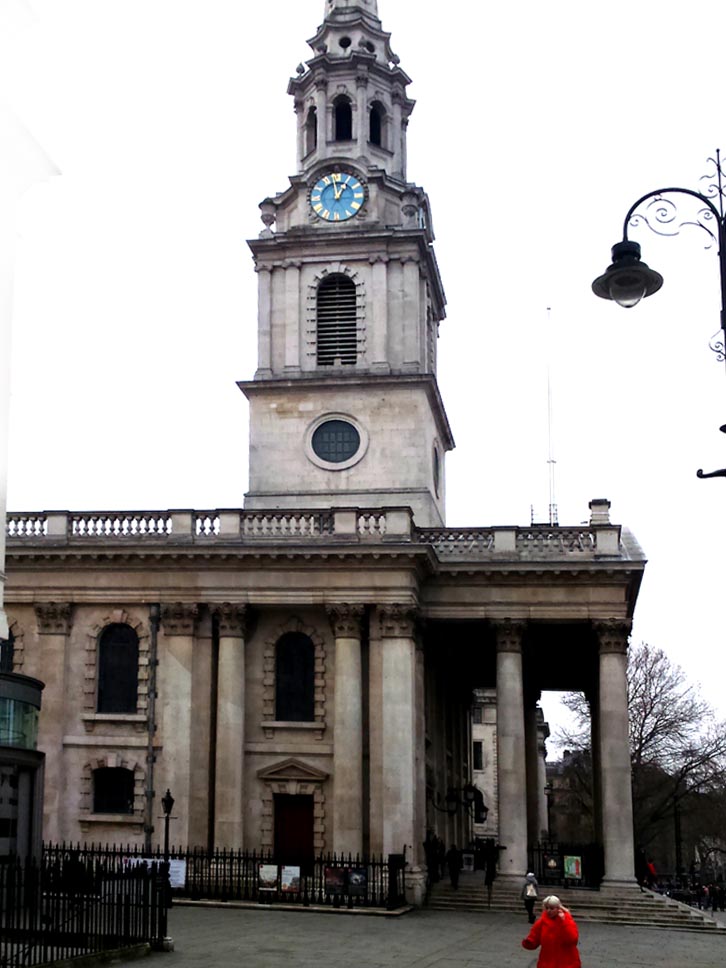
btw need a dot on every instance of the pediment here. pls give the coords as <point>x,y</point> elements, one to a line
<point>292,769</point>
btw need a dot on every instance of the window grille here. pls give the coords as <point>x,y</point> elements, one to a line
<point>118,669</point>
<point>337,325</point>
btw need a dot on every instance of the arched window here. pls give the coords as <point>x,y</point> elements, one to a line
<point>113,790</point>
<point>311,131</point>
<point>118,669</point>
<point>337,326</point>
<point>376,119</point>
<point>343,120</point>
<point>295,678</point>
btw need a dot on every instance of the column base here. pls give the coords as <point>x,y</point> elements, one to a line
<point>415,879</point>
<point>617,885</point>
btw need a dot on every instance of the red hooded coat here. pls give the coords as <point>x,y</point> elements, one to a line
<point>558,938</point>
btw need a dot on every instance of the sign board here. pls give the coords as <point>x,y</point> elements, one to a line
<point>467,861</point>
<point>357,882</point>
<point>573,867</point>
<point>267,877</point>
<point>177,868</point>
<point>290,880</point>
<point>335,880</point>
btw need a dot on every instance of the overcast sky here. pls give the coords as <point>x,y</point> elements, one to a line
<point>537,125</point>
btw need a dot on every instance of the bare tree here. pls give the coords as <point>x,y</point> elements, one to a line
<point>677,747</point>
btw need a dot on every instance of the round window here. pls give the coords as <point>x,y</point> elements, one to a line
<point>345,42</point>
<point>335,441</point>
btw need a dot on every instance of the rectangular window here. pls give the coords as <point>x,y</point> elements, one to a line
<point>478,756</point>
<point>477,715</point>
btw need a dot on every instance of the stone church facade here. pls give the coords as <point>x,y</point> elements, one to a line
<point>300,672</point>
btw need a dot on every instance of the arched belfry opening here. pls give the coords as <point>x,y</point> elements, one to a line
<point>376,124</point>
<point>311,130</point>
<point>342,119</point>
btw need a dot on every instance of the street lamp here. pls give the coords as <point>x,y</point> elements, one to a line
<point>467,797</point>
<point>167,802</point>
<point>627,279</point>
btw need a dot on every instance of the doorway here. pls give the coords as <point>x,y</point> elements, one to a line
<point>294,834</point>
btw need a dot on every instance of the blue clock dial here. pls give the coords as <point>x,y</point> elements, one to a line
<point>336,197</point>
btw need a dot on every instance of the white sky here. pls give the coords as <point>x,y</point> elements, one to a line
<point>537,125</point>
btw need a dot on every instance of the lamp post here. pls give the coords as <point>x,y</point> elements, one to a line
<point>167,802</point>
<point>627,279</point>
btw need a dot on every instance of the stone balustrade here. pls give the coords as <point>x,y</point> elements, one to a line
<point>534,543</point>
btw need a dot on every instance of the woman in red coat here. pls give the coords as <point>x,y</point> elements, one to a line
<point>556,932</point>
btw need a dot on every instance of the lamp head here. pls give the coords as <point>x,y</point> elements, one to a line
<point>627,280</point>
<point>167,802</point>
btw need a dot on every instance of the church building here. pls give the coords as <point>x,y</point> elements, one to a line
<point>301,672</point>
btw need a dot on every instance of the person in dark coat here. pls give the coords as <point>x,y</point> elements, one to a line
<point>530,890</point>
<point>454,862</point>
<point>491,859</point>
<point>555,932</point>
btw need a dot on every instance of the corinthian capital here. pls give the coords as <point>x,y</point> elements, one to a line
<point>397,621</point>
<point>509,635</point>
<point>53,618</point>
<point>612,636</point>
<point>231,619</point>
<point>345,620</point>
<point>179,618</point>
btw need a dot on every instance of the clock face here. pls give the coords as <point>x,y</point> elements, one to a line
<point>336,197</point>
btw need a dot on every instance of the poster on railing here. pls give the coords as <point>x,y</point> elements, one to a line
<point>290,880</point>
<point>335,880</point>
<point>268,877</point>
<point>357,882</point>
<point>573,867</point>
<point>177,868</point>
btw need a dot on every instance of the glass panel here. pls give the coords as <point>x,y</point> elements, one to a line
<point>18,724</point>
<point>336,441</point>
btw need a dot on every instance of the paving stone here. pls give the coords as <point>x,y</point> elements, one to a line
<point>223,937</point>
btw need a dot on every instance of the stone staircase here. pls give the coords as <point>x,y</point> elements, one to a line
<point>628,907</point>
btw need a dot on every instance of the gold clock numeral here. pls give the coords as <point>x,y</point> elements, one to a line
<point>325,213</point>
<point>355,205</point>
<point>326,180</point>
<point>348,214</point>
<point>336,217</point>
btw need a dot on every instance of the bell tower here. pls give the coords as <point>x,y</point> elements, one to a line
<point>345,409</point>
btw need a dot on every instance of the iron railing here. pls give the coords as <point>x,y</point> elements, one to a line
<point>69,906</point>
<point>567,864</point>
<point>334,880</point>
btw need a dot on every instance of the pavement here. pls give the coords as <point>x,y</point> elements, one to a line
<point>212,937</point>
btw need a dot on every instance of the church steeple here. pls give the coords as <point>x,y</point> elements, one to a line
<point>344,406</point>
<point>337,6</point>
<point>351,98</point>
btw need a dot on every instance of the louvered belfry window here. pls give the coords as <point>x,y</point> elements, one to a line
<point>337,328</point>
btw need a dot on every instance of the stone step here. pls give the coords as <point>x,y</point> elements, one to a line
<point>627,908</point>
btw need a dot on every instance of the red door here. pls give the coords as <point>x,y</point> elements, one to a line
<point>294,819</point>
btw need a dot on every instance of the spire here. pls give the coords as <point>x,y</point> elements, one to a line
<point>370,6</point>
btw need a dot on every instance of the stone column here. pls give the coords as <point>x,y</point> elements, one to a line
<point>543,732</point>
<point>532,771</point>
<point>511,750</point>
<point>345,621</point>
<point>401,776</point>
<point>615,777</point>
<point>174,683</point>
<point>229,799</point>
<point>397,135</point>
<point>324,113</point>
<point>54,625</point>
<point>300,115</point>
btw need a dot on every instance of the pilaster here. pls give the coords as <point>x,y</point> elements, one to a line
<point>54,626</point>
